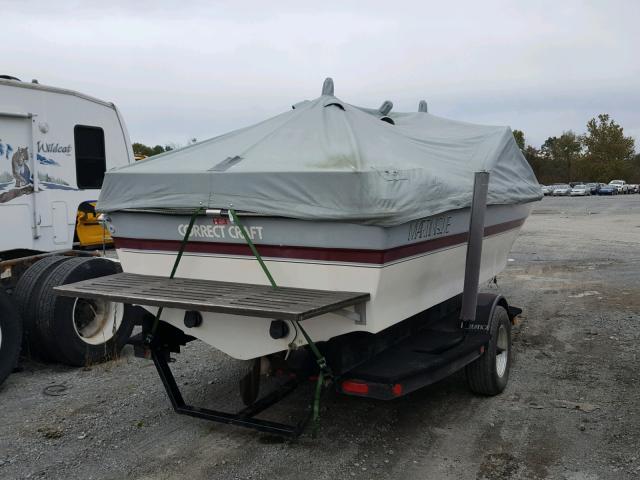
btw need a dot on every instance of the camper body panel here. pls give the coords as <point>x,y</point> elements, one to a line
<point>54,147</point>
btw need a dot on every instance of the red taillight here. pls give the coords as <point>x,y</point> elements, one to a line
<point>397,389</point>
<point>349,386</point>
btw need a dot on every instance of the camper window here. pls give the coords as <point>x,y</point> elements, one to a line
<point>90,157</point>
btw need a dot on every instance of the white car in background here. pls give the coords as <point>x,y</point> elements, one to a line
<point>621,185</point>
<point>562,189</point>
<point>580,190</point>
<point>546,190</point>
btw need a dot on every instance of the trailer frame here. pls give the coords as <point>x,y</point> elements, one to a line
<point>169,339</point>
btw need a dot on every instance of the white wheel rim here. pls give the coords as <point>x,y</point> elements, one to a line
<point>96,321</point>
<point>502,350</point>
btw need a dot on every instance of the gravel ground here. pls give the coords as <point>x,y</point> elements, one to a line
<point>571,410</point>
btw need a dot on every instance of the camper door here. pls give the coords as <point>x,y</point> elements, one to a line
<point>17,172</point>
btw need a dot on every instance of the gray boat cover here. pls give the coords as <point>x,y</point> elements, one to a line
<point>326,159</point>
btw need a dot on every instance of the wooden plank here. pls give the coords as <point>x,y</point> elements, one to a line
<point>282,303</point>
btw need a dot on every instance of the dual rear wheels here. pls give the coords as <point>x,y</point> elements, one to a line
<point>76,332</point>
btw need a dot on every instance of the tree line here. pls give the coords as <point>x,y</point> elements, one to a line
<point>601,154</point>
<point>142,150</point>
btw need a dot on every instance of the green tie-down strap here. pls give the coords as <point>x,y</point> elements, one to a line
<point>183,245</point>
<point>325,370</point>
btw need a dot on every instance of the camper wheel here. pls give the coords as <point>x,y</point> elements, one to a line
<point>82,332</point>
<point>10,336</point>
<point>489,374</point>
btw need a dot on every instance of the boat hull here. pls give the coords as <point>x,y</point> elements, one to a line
<point>406,269</point>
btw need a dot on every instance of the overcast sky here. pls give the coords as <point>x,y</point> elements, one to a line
<point>196,69</point>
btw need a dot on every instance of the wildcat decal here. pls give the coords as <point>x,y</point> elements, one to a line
<point>20,167</point>
<point>19,180</point>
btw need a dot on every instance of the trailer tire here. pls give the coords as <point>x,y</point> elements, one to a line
<point>10,335</point>
<point>81,332</point>
<point>489,374</point>
<point>26,292</point>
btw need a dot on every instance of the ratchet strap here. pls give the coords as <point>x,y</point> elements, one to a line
<point>325,370</point>
<point>183,245</point>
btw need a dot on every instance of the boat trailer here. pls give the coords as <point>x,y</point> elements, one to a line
<point>409,355</point>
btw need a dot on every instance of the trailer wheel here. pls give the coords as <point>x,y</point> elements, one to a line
<point>489,374</point>
<point>25,294</point>
<point>10,336</point>
<point>81,332</point>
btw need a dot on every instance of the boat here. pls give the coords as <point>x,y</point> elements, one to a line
<point>334,197</point>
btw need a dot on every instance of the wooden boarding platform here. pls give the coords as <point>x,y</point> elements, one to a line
<point>282,303</point>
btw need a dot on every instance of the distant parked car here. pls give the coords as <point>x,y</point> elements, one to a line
<point>608,190</point>
<point>546,190</point>
<point>634,188</point>
<point>594,187</point>
<point>621,185</point>
<point>580,190</point>
<point>561,190</point>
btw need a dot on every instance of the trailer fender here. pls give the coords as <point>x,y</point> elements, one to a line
<point>487,303</point>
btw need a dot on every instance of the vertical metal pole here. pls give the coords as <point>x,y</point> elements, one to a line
<point>36,179</point>
<point>474,247</point>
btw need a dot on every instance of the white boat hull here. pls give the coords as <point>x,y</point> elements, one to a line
<point>399,287</point>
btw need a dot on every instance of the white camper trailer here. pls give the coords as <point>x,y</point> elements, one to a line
<point>55,146</point>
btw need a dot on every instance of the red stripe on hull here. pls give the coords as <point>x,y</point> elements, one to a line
<point>351,255</point>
